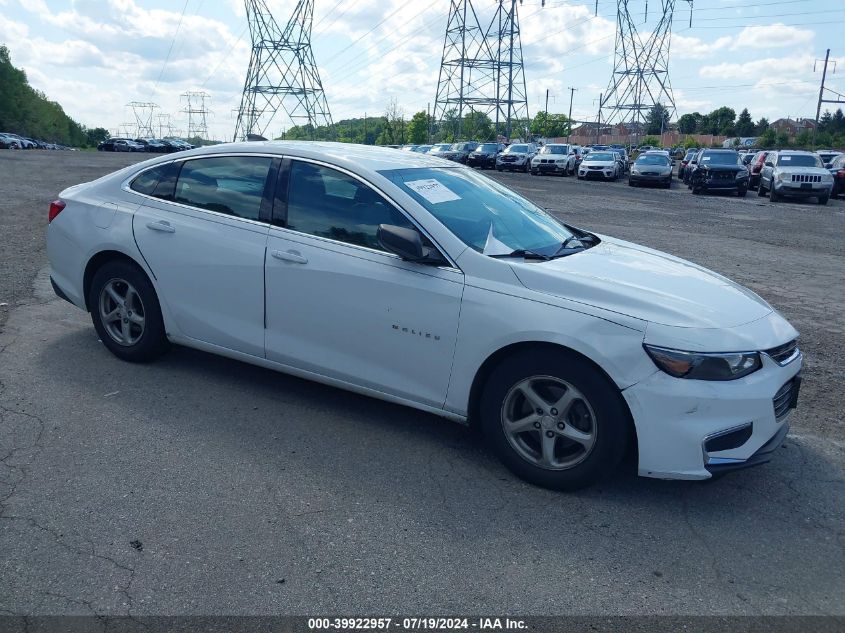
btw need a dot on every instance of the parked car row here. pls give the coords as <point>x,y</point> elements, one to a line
<point>161,146</point>
<point>8,140</point>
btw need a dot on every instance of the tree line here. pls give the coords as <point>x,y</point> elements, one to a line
<point>28,112</point>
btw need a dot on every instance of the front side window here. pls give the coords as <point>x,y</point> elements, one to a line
<point>483,214</point>
<point>328,203</point>
<point>233,185</point>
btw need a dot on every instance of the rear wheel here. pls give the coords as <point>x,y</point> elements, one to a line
<point>126,313</point>
<point>554,419</point>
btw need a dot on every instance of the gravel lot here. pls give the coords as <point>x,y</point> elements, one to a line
<point>199,485</point>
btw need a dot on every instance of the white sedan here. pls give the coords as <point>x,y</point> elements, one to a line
<point>399,276</point>
<point>601,165</point>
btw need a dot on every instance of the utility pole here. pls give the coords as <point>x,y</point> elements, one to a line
<point>840,98</point>
<point>365,129</point>
<point>569,121</point>
<point>546,125</point>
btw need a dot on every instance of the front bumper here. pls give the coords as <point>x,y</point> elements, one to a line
<point>675,418</point>
<point>601,174</point>
<point>796,189</point>
<point>473,161</point>
<point>643,178</point>
<point>548,168</point>
<point>511,165</point>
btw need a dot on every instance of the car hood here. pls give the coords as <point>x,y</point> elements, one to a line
<point>645,284</point>
<point>598,163</point>
<point>812,171</point>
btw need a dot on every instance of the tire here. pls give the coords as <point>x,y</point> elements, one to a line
<point>631,183</point>
<point>760,191</point>
<point>598,416</point>
<point>741,192</point>
<point>498,169</point>
<point>823,200</point>
<point>668,185</point>
<point>773,196</point>
<point>141,342</point>
<point>527,167</point>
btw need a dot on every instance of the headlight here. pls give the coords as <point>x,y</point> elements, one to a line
<point>635,171</point>
<point>779,177</point>
<point>701,366</point>
<point>741,174</point>
<point>561,161</point>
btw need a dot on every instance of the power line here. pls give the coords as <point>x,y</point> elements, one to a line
<point>172,42</point>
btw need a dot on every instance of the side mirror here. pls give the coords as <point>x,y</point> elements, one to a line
<point>769,163</point>
<point>407,244</point>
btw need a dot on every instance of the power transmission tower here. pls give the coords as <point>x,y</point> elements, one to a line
<point>197,113</point>
<point>282,73</point>
<point>165,128</point>
<point>143,113</point>
<point>481,69</point>
<point>640,78</point>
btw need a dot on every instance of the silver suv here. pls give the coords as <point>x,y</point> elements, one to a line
<point>795,173</point>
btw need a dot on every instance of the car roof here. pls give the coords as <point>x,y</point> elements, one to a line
<point>370,157</point>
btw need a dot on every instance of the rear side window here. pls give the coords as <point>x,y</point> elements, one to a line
<point>233,185</point>
<point>157,182</point>
<point>328,203</point>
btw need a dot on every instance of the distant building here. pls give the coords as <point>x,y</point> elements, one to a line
<point>793,127</point>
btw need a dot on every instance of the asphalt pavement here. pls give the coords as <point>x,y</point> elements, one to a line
<point>200,485</point>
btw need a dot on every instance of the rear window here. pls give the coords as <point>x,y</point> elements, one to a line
<point>233,185</point>
<point>157,182</point>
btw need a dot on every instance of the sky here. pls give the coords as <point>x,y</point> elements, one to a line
<point>96,56</point>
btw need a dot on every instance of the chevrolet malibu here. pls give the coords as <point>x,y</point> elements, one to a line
<point>402,277</point>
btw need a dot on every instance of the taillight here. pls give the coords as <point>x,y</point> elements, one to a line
<point>841,173</point>
<point>56,207</point>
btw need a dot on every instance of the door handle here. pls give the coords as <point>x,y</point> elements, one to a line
<point>290,256</point>
<point>162,226</point>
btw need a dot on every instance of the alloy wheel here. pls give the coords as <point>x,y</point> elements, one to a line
<point>122,312</point>
<point>549,422</point>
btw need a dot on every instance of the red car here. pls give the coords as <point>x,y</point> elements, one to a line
<point>837,170</point>
<point>755,167</point>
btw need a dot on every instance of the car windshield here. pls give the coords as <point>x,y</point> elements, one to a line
<point>652,159</point>
<point>690,154</point>
<point>516,149</point>
<point>483,214</point>
<point>487,147</point>
<point>719,158</point>
<point>600,156</point>
<point>799,160</point>
<point>441,148</point>
<point>459,147</point>
<point>555,149</point>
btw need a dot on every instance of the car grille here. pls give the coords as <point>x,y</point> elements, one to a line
<point>591,167</point>
<point>650,173</point>
<point>783,354</point>
<point>722,175</point>
<point>508,159</point>
<point>782,400</point>
<point>805,178</point>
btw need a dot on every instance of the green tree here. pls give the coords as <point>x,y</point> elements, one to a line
<point>837,123</point>
<point>767,139</point>
<point>418,128</point>
<point>690,143</point>
<point>744,124</point>
<point>762,125</point>
<point>657,120</point>
<point>549,125</point>
<point>688,123</point>
<point>651,140</point>
<point>477,126</point>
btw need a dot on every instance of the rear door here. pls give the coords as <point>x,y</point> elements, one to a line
<point>203,232</point>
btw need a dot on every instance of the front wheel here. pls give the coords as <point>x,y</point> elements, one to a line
<point>126,312</point>
<point>554,419</point>
<point>773,195</point>
<point>760,190</point>
<point>823,199</point>
<point>741,192</point>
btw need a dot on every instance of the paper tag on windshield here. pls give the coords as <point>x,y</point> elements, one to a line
<point>786,157</point>
<point>432,190</point>
<point>705,158</point>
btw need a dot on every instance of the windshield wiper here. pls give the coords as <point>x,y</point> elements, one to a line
<point>525,254</point>
<point>585,241</point>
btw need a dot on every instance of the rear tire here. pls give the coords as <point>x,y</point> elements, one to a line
<point>573,447</point>
<point>126,312</point>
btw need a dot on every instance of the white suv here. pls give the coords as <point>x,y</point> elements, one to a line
<point>795,173</point>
